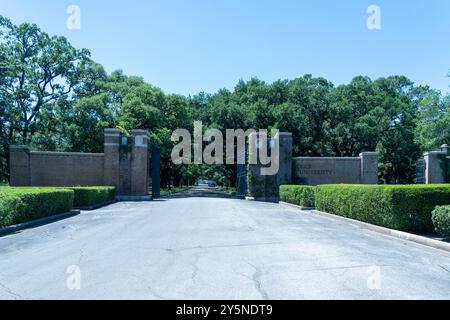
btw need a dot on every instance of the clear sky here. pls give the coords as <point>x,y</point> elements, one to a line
<point>188,46</point>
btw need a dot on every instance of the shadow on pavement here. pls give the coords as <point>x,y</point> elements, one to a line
<point>18,228</point>
<point>200,192</point>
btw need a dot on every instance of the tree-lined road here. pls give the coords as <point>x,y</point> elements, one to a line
<point>203,248</point>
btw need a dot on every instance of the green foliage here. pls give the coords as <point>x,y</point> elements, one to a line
<point>37,73</point>
<point>54,96</point>
<point>256,186</point>
<point>18,205</point>
<point>444,163</point>
<point>401,207</point>
<point>441,220</point>
<point>300,195</point>
<point>433,121</point>
<point>89,196</point>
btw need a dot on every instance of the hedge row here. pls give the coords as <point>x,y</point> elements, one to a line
<point>401,207</point>
<point>21,205</point>
<point>300,195</point>
<point>441,220</point>
<point>18,205</point>
<point>89,196</point>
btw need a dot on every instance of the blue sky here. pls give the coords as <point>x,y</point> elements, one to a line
<point>188,46</point>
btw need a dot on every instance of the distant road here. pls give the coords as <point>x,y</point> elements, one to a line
<point>202,192</point>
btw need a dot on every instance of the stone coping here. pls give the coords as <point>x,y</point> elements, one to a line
<point>19,147</point>
<point>328,158</point>
<point>78,154</point>
<point>434,152</point>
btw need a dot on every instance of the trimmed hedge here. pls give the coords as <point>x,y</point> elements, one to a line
<point>90,196</point>
<point>18,205</point>
<point>441,220</point>
<point>300,195</point>
<point>401,207</point>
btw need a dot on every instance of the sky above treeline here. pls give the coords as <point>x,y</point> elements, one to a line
<point>189,46</point>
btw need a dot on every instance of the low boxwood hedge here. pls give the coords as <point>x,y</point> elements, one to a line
<point>90,196</point>
<point>300,195</point>
<point>401,207</point>
<point>18,205</point>
<point>441,220</point>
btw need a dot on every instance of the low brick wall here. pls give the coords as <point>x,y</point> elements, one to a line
<point>322,170</point>
<point>55,169</point>
<point>123,165</point>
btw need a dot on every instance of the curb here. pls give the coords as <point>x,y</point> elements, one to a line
<point>96,206</point>
<point>37,223</point>
<point>298,207</point>
<point>133,198</point>
<point>268,200</point>
<point>436,244</point>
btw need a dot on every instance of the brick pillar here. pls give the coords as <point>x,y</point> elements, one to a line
<point>369,167</point>
<point>255,182</point>
<point>139,162</point>
<point>111,162</point>
<point>19,166</point>
<point>285,161</point>
<point>434,173</point>
<point>260,187</point>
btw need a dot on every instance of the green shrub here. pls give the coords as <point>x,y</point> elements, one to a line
<point>401,207</point>
<point>90,196</point>
<point>300,195</point>
<point>18,205</point>
<point>441,220</point>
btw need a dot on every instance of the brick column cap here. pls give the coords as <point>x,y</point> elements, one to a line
<point>433,153</point>
<point>368,153</point>
<point>140,132</point>
<point>19,147</point>
<point>285,134</point>
<point>112,131</point>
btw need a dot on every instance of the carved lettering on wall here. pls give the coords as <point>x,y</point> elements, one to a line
<point>307,169</point>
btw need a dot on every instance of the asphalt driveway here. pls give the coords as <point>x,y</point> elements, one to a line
<point>213,248</point>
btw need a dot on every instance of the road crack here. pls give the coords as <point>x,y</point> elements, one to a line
<point>149,287</point>
<point>442,267</point>
<point>195,266</point>
<point>11,292</point>
<point>257,282</point>
<point>81,255</point>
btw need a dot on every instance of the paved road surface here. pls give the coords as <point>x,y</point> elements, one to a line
<point>200,191</point>
<point>203,248</point>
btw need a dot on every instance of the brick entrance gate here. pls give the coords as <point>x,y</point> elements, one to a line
<point>124,164</point>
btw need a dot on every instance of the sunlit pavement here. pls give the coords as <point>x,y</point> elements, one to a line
<point>212,248</point>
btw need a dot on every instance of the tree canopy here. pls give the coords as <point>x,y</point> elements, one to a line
<point>55,97</point>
